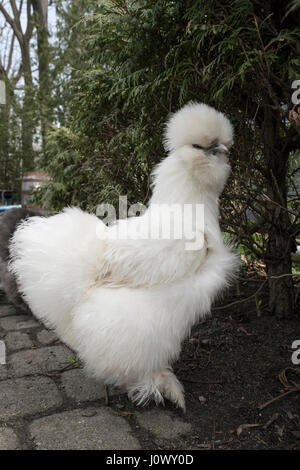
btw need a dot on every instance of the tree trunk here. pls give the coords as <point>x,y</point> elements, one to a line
<point>279,267</point>
<point>27,115</point>
<point>278,255</point>
<point>41,10</point>
<point>27,112</point>
<point>4,136</point>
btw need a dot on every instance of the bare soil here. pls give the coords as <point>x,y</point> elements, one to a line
<point>233,367</point>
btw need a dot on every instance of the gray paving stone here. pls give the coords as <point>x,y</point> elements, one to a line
<point>89,429</point>
<point>3,373</point>
<point>18,322</point>
<point>163,424</point>
<point>6,310</point>
<point>17,340</point>
<point>28,395</point>
<point>47,337</point>
<point>40,361</point>
<point>81,388</point>
<point>8,439</point>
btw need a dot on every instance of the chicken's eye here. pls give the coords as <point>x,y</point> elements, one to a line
<point>196,146</point>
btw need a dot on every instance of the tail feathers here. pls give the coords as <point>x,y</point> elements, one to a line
<point>55,261</point>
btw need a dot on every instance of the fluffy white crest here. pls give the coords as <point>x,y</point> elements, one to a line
<point>197,123</point>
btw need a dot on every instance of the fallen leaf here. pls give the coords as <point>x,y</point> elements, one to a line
<point>122,413</point>
<point>202,399</point>
<point>283,378</point>
<point>290,414</point>
<point>280,430</point>
<point>271,420</point>
<point>243,330</point>
<point>232,321</point>
<point>205,446</point>
<point>241,428</point>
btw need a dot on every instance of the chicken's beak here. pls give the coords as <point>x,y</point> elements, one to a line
<point>222,148</point>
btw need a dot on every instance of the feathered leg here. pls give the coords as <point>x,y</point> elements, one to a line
<point>163,383</point>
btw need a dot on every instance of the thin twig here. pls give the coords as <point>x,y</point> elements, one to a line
<point>205,382</point>
<point>255,293</point>
<point>242,300</point>
<point>290,389</point>
<point>295,389</point>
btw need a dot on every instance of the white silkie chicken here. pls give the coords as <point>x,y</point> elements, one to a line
<point>125,302</point>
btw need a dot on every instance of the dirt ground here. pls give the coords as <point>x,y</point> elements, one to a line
<point>233,365</point>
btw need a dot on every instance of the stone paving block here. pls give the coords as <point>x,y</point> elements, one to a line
<point>3,373</point>
<point>163,424</point>
<point>8,439</point>
<point>17,340</point>
<point>6,310</point>
<point>80,387</point>
<point>28,395</point>
<point>47,337</point>
<point>18,322</point>
<point>89,429</point>
<point>40,361</point>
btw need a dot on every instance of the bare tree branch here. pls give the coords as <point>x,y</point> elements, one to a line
<point>16,14</point>
<point>17,77</point>
<point>11,21</point>
<point>10,56</point>
<point>29,21</point>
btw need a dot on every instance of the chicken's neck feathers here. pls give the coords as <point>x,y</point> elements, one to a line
<point>177,189</point>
